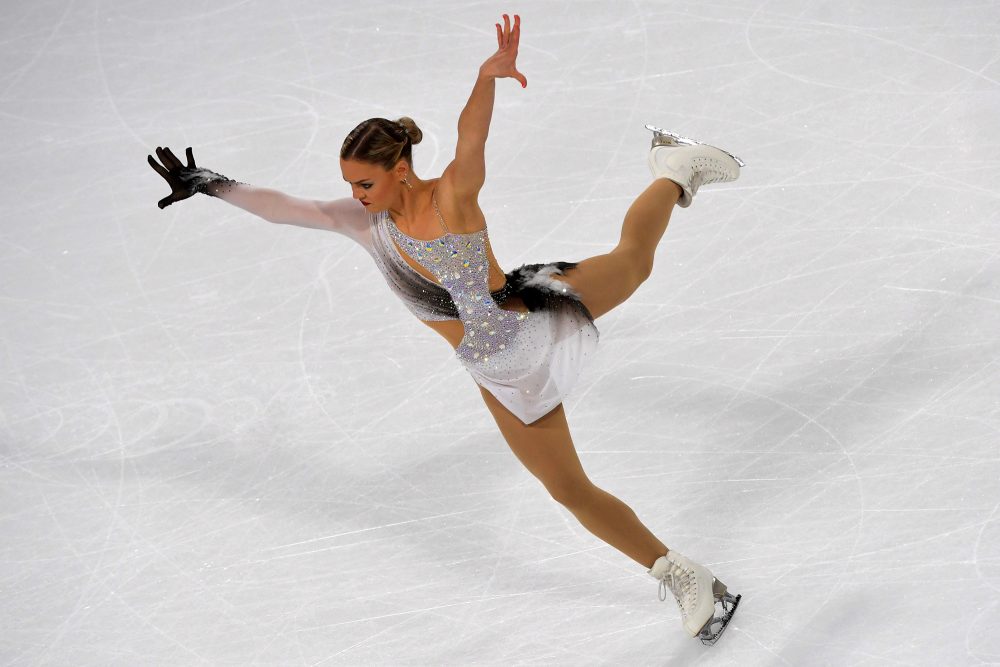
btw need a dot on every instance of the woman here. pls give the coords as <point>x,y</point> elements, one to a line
<point>523,335</point>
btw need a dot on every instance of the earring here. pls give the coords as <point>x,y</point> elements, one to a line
<point>407,183</point>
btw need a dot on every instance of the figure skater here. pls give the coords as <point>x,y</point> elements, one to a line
<point>523,336</point>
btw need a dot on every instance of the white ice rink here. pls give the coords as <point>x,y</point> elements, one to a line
<point>225,442</point>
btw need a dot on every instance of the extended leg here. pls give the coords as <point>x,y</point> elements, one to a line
<point>680,166</point>
<point>546,450</point>
<point>605,281</point>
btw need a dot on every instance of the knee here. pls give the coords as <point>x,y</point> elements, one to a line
<point>639,263</point>
<point>572,494</point>
<point>644,269</point>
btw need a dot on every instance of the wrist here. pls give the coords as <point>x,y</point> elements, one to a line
<point>206,181</point>
<point>216,188</point>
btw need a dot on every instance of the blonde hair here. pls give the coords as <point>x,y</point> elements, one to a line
<point>382,141</point>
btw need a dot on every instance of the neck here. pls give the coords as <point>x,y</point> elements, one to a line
<point>412,201</point>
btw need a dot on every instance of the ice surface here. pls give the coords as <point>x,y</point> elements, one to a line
<point>225,442</point>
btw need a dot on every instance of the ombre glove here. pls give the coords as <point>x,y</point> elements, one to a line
<point>184,181</point>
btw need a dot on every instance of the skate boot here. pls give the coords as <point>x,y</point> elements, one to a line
<point>698,594</point>
<point>689,163</point>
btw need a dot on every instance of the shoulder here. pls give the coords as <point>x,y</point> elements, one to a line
<point>346,209</point>
<point>346,216</point>
<point>460,211</point>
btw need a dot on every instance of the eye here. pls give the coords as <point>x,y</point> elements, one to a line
<point>366,185</point>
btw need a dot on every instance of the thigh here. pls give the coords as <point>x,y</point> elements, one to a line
<point>605,281</point>
<point>545,448</point>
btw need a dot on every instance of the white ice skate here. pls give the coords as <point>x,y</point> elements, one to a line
<point>698,593</point>
<point>689,163</point>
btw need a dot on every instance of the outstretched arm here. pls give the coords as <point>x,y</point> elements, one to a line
<point>468,170</point>
<point>278,207</point>
<point>345,216</point>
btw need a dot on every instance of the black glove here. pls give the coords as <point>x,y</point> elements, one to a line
<point>184,181</point>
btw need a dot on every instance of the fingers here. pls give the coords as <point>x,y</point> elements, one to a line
<point>170,160</point>
<point>156,166</point>
<point>163,158</point>
<point>513,39</point>
<point>174,162</point>
<point>167,158</point>
<point>504,35</point>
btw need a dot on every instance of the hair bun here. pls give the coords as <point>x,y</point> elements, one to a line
<point>411,128</point>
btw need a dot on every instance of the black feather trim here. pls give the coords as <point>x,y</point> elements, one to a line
<point>538,291</point>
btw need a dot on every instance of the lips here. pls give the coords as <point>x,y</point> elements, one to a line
<point>365,203</point>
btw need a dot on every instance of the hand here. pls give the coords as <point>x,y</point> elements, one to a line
<point>174,174</point>
<point>502,64</point>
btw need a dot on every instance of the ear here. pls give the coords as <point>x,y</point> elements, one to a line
<point>401,170</point>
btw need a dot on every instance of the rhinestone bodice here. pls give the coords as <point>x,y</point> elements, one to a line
<point>459,262</point>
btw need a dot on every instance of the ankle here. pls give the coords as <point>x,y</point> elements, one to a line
<point>662,554</point>
<point>668,187</point>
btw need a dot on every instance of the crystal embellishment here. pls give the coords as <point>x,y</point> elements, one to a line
<point>459,263</point>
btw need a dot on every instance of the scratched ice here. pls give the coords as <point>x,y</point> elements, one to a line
<point>225,442</point>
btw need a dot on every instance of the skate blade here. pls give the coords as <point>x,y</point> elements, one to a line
<point>662,137</point>
<point>714,628</point>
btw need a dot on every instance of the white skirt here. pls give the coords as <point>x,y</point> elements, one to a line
<point>544,360</point>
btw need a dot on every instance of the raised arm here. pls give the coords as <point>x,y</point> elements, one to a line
<point>467,172</point>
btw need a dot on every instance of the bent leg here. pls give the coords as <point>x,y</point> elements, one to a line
<point>546,450</point>
<point>605,281</point>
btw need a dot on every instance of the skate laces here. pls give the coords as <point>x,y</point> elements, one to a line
<point>680,582</point>
<point>707,172</point>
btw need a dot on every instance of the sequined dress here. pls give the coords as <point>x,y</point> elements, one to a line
<point>528,361</point>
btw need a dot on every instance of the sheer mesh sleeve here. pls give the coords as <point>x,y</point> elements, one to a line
<point>344,216</point>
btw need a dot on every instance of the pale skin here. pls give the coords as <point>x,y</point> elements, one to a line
<point>545,447</point>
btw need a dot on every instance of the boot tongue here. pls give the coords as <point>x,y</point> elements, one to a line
<point>660,567</point>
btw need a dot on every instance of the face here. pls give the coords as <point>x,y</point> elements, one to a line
<point>373,186</point>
